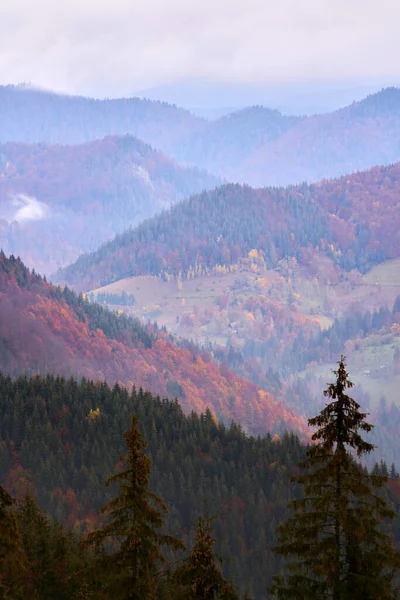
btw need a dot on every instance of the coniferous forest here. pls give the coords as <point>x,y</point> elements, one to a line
<point>190,509</point>
<point>172,423</point>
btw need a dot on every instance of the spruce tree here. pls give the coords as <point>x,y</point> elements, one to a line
<point>135,517</point>
<point>200,573</point>
<point>335,539</point>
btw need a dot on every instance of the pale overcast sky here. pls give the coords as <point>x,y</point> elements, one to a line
<point>120,47</point>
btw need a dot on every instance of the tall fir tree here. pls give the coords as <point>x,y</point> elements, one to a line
<point>200,575</point>
<point>135,518</point>
<point>335,539</point>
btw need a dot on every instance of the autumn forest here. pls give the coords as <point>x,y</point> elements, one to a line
<point>199,350</point>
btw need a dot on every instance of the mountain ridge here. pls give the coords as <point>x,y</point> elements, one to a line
<point>353,220</point>
<point>272,149</point>
<point>48,329</point>
<point>58,201</point>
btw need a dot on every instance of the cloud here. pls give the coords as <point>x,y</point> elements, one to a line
<point>28,208</point>
<point>120,47</point>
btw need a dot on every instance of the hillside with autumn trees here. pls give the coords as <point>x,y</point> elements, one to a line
<point>352,220</point>
<point>69,442</point>
<point>255,145</point>
<point>59,201</point>
<point>48,329</point>
<point>275,283</point>
<point>62,438</point>
<point>33,116</point>
<point>351,139</point>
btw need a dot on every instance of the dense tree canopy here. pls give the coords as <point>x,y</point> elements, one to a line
<point>353,220</point>
<point>335,538</point>
<point>134,519</point>
<point>62,438</point>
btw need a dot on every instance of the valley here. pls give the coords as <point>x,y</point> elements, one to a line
<point>220,310</point>
<point>194,282</point>
<point>277,290</point>
<point>313,296</point>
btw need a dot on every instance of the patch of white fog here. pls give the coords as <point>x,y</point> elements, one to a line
<point>28,208</point>
<point>143,174</point>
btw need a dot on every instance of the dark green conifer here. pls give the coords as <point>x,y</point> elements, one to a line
<point>11,554</point>
<point>200,573</point>
<point>135,517</point>
<point>54,562</point>
<point>335,538</point>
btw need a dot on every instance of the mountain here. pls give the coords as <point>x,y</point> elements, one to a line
<point>59,201</point>
<point>33,116</point>
<point>255,275</point>
<point>48,329</point>
<point>294,97</point>
<point>353,220</point>
<point>208,229</point>
<point>354,138</point>
<point>226,143</point>
<point>255,145</point>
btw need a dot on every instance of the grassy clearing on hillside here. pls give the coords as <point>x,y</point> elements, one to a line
<point>195,309</point>
<point>196,294</point>
<point>313,295</point>
<point>370,368</point>
<point>324,321</point>
<point>387,274</point>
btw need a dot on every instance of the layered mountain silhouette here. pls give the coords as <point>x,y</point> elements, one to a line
<point>59,201</point>
<point>354,220</point>
<point>255,145</point>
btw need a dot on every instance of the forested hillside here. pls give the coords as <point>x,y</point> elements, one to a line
<point>353,220</point>
<point>48,329</point>
<point>34,116</point>
<point>61,439</point>
<point>59,201</point>
<point>212,228</point>
<point>354,138</point>
<point>225,144</point>
<point>255,145</point>
<point>70,439</point>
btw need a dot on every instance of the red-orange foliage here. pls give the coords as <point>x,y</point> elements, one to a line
<point>40,333</point>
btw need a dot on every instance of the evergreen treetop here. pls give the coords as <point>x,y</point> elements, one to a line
<point>200,573</point>
<point>135,517</point>
<point>336,536</point>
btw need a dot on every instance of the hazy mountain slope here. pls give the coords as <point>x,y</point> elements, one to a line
<point>357,137</point>
<point>224,144</point>
<point>354,220</point>
<point>45,329</point>
<point>28,115</point>
<point>58,201</point>
<point>254,145</point>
